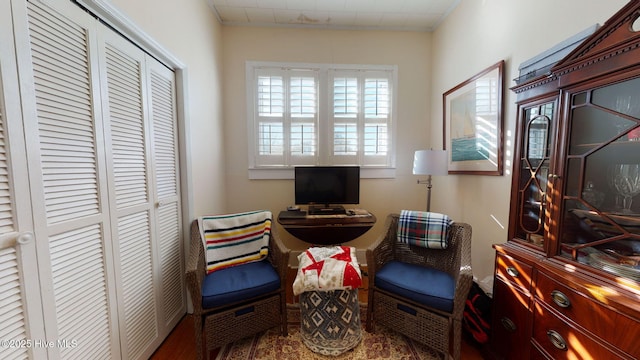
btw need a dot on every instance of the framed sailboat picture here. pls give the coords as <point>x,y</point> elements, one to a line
<point>473,123</point>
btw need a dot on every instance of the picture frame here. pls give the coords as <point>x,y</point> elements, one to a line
<point>473,122</point>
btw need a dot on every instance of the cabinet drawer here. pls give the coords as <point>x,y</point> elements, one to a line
<point>561,341</point>
<point>510,335</point>
<point>574,306</point>
<point>616,329</point>
<point>514,271</point>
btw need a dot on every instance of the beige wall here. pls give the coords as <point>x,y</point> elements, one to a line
<point>410,51</point>
<point>192,34</point>
<point>477,34</point>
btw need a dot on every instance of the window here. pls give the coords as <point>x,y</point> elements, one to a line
<point>318,114</point>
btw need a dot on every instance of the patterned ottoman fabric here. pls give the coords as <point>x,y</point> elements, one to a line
<point>330,321</point>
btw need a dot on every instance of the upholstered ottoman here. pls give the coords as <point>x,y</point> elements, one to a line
<point>330,321</point>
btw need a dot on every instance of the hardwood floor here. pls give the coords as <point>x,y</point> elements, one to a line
<point>180,345</point>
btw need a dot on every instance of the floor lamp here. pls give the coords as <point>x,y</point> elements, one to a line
<point>429,162</point>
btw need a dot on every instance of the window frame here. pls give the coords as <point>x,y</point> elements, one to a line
<point>324,119</point>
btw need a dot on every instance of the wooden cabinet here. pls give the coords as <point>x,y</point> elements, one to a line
<point>567,282</point>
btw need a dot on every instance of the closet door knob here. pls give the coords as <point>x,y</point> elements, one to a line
<point>25,238</point>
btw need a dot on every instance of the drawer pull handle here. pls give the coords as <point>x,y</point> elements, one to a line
<point>560,299</point>
<point>557,340</point>
<point>513,271</point>
<point>509,325</point>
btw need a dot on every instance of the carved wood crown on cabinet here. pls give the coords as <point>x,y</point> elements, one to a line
<point>567,283</point>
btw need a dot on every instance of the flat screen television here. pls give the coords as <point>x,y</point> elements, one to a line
<point>325,188</point>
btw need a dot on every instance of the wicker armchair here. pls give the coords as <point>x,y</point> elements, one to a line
<point>238,318</point>
<point>426,324</point>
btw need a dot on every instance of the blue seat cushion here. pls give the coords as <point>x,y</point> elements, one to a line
<point>426,286</point>
<point>238,283</point>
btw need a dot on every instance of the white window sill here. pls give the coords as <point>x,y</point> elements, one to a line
<point>287,173</point>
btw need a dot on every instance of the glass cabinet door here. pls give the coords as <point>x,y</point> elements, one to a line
<point>600,223</point>
<point>537,141</point>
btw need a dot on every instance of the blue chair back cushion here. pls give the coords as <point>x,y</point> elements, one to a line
<point>238,283</point>
<point>423,285</point>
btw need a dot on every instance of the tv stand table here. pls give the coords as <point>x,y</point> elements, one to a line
<point>326,229</point>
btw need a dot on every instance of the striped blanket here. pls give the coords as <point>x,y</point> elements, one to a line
<point>426,229</point>
<point>235,239</point>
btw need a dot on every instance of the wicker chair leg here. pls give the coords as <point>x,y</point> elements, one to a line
<point>457,340</point>
<point>370,326</point>
<point>283,311</point>
<point>197,329</point>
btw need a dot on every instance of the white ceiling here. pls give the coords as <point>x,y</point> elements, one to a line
<point>406,15</point>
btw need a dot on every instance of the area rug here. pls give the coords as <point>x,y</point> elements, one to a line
<point>270,345</point>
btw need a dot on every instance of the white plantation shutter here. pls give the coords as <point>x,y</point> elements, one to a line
<point>303,111</point>
<point>377,106</point>
<point>270,98</point>
<point>319,114</point>
<point>287,116</point>
<point>68,170</point>
<point>345,116</point>
<point>345,97</point>
<point>361,117</point>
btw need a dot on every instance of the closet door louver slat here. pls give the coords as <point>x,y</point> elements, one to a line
<point>127,128</point>
<point>137,283</point>
<point>68,194</point>
<point>80,292</point>
<point>11,301</point>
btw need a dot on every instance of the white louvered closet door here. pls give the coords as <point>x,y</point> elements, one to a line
<point>127,150</point>
<point>20,305</point>
<point>140,134</point>
<point>68,180</point>
<point>166,191</point>
<point>100,153</point>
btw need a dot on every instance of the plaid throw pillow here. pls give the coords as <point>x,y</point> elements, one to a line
<point>426,229</point>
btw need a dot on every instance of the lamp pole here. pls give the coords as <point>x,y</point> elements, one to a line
<point>429,162</point>
<point>429,186</point>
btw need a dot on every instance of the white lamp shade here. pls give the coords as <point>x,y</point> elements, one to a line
<point>430,162</point>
